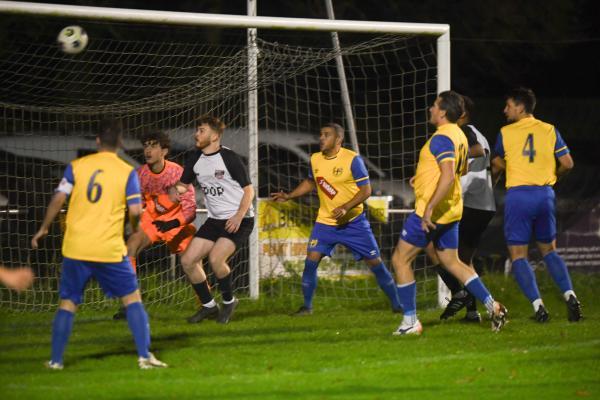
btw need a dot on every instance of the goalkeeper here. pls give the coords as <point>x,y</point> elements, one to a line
<point>163,220</point>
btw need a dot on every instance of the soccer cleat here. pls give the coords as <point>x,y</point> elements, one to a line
<point>472,316</point>
<point>150,362</point>
<point>227,311</point>
<point>121,314</point>
<point>498,316</point>
<point>574,309</point>
<point>541,315</point>
<point>203,313</point>
<point>454,305</point>
<point>303,310</point>
<point>53,365</point>
<point>406,329</point>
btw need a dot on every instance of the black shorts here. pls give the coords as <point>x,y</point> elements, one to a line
<point>472,225</point>
<point>213,229</point>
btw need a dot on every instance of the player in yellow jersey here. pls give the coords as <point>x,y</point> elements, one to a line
<point>534,155</point>
<point>438,204</point>
<point>342,182</point>
<point>99,188</point>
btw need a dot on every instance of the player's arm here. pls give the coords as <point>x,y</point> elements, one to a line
<point>361,178</point>
<point>443,150</point>
<point>133,197</point>
<point>64,189</point>
<point>238,173</point>
<point>441,190</point>
<point>233,224</point>
<point>475,148</point>
<point>561,152</point>
<point>17,278</point>
<point>498,162</point>
<point>565,164</point>
<point>305,187</point>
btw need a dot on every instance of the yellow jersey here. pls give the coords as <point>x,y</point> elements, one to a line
<point>530,148</point>
<point>100,186</point>
<point>338,179</point>
<point>448,143</point>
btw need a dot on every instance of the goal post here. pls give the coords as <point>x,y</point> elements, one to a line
<point>286,89</point>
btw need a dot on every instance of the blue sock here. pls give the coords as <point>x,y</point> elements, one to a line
<point>309,281</point>
<point>61,330</point>
<point>137,319</point>
<point>558,271</point>
<point>407,294</point>
<point>478,289</point>
<point>386,283</point>
<point>526,279</point>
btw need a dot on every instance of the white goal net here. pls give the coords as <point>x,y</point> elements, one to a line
<point>164,77</point>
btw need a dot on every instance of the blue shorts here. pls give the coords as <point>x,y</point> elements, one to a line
<point>115,279</point>
<point>529,208</point>
<point>356,235</point>
<point>444,236</point>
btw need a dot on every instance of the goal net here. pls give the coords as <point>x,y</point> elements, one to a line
<point>164,77</point>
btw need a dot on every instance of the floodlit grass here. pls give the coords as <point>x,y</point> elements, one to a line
<point>342,351</point>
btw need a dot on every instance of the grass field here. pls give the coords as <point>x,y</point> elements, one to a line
<point>340,352</point>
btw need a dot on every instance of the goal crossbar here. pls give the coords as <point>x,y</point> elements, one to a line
<point>219,20</point>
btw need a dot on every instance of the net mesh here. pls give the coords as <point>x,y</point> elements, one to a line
<point>164,78</point>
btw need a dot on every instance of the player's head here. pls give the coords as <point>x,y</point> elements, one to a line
<point>209,130</point>
<point>110,134</point>
<point>156,146</point>
<point>331,136</point>
<point>469,109</point>
<point>447,108</point>
<point>520,103</point>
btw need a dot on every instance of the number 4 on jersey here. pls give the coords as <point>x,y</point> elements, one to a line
<point>528,149</point>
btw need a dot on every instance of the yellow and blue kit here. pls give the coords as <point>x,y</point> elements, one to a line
<point>530,148</point>
<point>448,143</point>
<point>338,179</point>
<point>100,186</point>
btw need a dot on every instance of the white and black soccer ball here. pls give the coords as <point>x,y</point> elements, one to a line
<point>72,39</point>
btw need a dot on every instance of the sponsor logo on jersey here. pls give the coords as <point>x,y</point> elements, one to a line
<point>326,187</point>
<point>212,190</point>
<point>219,174</point>
<point>337,171</point>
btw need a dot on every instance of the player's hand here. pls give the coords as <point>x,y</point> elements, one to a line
<point>339,212</point>
<point>426,223</point>
<point>233,224</point>
<point>280,196</point>
<point>38,236</point>
<point>17,279</point>
<point>411,181</point>
<point>165,226</point>
<point>174,194</point>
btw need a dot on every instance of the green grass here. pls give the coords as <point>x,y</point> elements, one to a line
<point>341,352</point>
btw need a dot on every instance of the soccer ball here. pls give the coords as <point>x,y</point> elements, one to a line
<point>72,39</point>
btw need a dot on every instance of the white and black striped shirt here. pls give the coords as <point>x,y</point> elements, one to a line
<point>221,176</point>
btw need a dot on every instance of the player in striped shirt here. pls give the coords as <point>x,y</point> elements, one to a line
<point>165,219</point>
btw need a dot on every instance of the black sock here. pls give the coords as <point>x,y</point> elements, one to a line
<point>225,288</point>
<point>449,279</point>
<point>203,292</point>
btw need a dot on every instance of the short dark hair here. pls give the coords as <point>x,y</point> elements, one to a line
<point>339,130</point>
<point>159,136</point>
<point>110,133</point>
<point>469,106</point>
<point>215,123</point>
<point>453,104</point>
<point>523,95</point>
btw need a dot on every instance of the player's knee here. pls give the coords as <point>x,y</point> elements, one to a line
<point>68,305</point>
<point>134,297</point>
<point>546,248</point>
